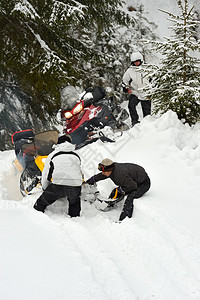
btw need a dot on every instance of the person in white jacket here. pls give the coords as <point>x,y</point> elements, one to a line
<point>62,177</point>
<point>133,82</point>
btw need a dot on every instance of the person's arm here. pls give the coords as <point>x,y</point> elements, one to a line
<point>96,178</point>
<point>126,78</point>
<point>45,182</point>
<point>126,82</point>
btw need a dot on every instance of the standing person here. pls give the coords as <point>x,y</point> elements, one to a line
<point>133,82</point>
<point>62,177</point>
<point>132,180</point>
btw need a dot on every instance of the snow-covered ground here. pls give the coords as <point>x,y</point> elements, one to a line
<point>154,255</point>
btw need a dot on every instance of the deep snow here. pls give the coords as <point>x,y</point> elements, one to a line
<point>154,255</point>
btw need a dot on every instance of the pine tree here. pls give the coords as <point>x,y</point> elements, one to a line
<point>48,44</point>
<point>120,42</point>
<point>176,80</point>
<point>45,45</point>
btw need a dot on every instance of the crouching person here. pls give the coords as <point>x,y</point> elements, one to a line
<point>132,180</point>
<point>62,177</point>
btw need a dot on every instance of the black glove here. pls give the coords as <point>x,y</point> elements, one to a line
<point>125,90</point>
<point>117,193</point>
<point>91,181</point>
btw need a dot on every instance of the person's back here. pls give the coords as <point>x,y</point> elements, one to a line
<point>136,172</point>
<point>66,165</point>
<point>62,177</point>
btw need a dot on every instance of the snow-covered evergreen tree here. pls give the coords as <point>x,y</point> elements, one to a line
<point>47,44</point>
<point>176,81</point>
<point>143,29</point>
<point>121,41</point>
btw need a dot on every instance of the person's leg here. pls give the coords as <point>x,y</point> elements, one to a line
<point>127,210</point>
<point>73,194</point>
<point>142,188</point>
<point>146,107</point>
<point>133,102</point>
<point>49,196</point>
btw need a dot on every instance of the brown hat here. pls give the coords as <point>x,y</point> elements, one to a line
<point>106,165</point>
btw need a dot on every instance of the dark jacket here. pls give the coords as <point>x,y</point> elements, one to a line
<point>126,175</point>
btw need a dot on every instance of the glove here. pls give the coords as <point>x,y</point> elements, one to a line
<point>91,181</point>
<point>116,193</point>
<point>125,90</point>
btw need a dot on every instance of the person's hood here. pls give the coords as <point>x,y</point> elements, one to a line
<point>136,56</point>
<point>66,146</point>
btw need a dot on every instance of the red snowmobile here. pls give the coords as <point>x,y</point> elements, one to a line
<point>85,118</point>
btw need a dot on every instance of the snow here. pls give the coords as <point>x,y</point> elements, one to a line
<point>1,107</point>
<point>26,8</point>
<point>153,255</point>
<point>50,56</point>
<point>153,8</point>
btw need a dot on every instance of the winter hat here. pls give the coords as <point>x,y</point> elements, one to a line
<point>136,56</point>
<point>64,138</point>
<point>106,165</point>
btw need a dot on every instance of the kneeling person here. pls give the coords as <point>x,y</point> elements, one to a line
<point>132,180</point>
<point>62,177</point>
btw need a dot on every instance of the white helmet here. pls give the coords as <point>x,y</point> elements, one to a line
<point>136,56</point>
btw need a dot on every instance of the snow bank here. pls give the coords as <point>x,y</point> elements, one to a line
<point>154,255</point>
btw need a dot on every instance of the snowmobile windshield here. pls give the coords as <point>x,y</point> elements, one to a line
<point>44,142</point>
<point>69,97</point>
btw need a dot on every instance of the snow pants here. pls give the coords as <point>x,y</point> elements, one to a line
<point>127,210</point>
<point>54,192</point>
<point>133,102</point>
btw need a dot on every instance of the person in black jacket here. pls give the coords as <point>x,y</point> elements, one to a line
<point>132,180</point>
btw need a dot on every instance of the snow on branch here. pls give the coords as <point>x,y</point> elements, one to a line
<point>174,16</point>
<point>67,10</point>
<point>51,58</point>
<point>26,8</point>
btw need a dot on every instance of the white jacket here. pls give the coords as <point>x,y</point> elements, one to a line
<point>66,167</point>
<point>134,78</point>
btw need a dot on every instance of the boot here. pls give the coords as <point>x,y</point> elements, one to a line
<point>127,210</point>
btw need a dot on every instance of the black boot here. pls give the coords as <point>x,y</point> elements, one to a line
<point>127,210</point>
<point>39,207</point>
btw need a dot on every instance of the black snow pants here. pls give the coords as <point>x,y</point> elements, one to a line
<point>133,102</point>
<point>127,210</point>
<point>54,192</point>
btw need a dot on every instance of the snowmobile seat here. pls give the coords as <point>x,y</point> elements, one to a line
<point>98,93</point>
